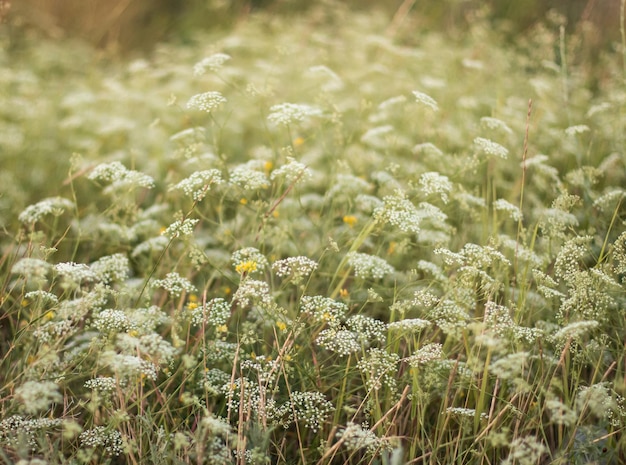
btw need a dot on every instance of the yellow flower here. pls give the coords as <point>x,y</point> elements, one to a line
<point>133,333</point>
<point>298,141</point>
<point>281,326</point>
<point>243,201</point>
<point>246,267</point>
<point>344,293</point>
<point>49,315</point>
<point>268,166</point>
<point>392,247</point>
<point>222,329</point>
<point>350,220</point>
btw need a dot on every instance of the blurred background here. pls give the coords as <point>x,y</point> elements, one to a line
<point>127,26</point>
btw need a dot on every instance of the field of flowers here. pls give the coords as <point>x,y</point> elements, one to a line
<point>314,241</point>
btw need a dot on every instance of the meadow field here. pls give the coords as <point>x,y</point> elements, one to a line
<point>315,239</point>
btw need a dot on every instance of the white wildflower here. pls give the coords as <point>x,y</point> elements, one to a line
<point>577,129</point>
<point>426,354</point>
<point>495,124</point>
<point>111,268</point>
<point>323,309</point>
<point>560,414</point>
<point>54,206</point>
<point>207,101</point>
<point>354,438</point>
<point>175,284</point>
<point>399,211</point>
<point>32,268</point>
<point>285,114</point>
<point>513,211</point>
<point>247,178</point>
<point>37,396</point>
<point>199,183</point>
<point>368,329</point>
<point>100,436</point>
<point>525,451</point>
<point>463,412</point>
<point>216,312</point>
<point>180,228</point>
<point>252,291</point>
<point>312,408</point>
<point>292,171</point>
<point>409,325</point>
<point>425,99</point>
<point>248,260</point>
<point>211,63</point>
<point>75,273</point>
<point>120,177</point>
<point>490,148</point>
<point>340,341</point>
<point>368,266</point>
<point>435,183</point>
<point>297,268</point>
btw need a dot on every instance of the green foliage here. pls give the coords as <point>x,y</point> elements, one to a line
<point>307,241</point>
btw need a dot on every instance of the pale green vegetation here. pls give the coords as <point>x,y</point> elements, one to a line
<point>308,242</point>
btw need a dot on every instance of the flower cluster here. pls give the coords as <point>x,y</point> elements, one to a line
<point>293,171</point>
<point>513,211</point>
<point>54,206</point>
<point>312,408</point>
<point>180,228</point>
<point>400,212</point>
<point>525,451</point>
<point>435,183</point>
<point>252,291</point>
<point>101,384</point>
<point>215,313</point>
<point>120,177</point>
<point>111,268</point>
<point>248,260</point>
<point>368,266</point>
<point>426,100</point>
<point>100,436</point>
<point>75,273</point>
<point>16,428</point>
<point>108,321</point>
<point>426,354</point>
<point>285,114</point>
<point>199,183</point>
<point>175,284</point>
<point>338,340</point>
<point>355,437</point>
<point>248,178</point>
<point>207,101</point>
<point>296,268</point>
<point>409,325</point>
<point>211,63</point>
<point>323,309</point>
<point>379,368</point>
<point>491,148</point>
<point>368,329</point>
<point>37,396</point>
<point>32,268</point>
